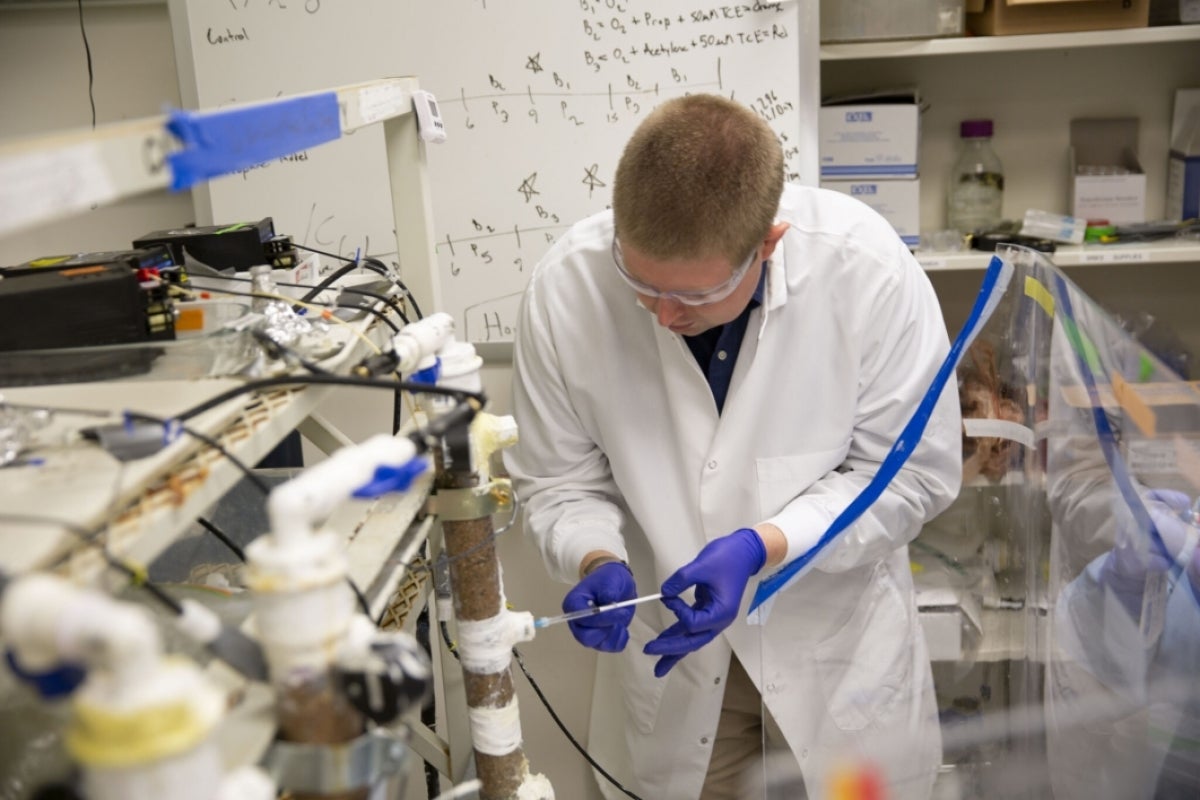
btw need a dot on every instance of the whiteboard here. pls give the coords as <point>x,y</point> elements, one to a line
<point>538,99</point>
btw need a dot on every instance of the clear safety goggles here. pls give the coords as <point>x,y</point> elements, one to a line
<point>690,297</point>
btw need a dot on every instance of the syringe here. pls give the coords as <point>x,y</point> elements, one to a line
<point>542,622</point>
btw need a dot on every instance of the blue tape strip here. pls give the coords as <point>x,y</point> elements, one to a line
<point>1104,432</point>
<point>995,282</point>
<point>219,142</point>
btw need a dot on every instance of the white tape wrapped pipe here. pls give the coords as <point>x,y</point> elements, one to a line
<point>496,731</point>
<point>485,645</point>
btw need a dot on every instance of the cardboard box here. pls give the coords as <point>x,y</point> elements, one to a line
<point>870,136</point>
<point>898,201</point>
<point>1107,181</point>
<point>842,21</point>
<point>1003,17</point>
<point>1183,166</point>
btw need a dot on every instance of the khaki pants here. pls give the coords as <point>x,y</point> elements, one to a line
<point>745,733</point>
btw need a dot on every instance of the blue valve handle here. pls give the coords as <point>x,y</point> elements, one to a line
<point>391,478</point>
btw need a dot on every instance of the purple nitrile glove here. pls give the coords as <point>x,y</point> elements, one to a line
<point>607,583</point>
<point>1137,553</point>
<point>720,574</point>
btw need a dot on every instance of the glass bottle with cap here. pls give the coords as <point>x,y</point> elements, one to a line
<point>976,188</point>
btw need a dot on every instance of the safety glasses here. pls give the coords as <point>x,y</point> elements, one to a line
<point>698,297</point>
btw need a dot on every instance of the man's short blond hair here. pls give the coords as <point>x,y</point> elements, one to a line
<point>700,177</point>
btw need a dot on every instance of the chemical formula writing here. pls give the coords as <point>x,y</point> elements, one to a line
<point>536,127</point>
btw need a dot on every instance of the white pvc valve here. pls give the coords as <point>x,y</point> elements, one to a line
<point>421,340</point>
<point>296,507</point>
<point>47,620</point>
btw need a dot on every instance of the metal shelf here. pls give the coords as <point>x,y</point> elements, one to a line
<point>44,178</point>
<point>973,45</point>
<point>142,506</point>
<point>1167,252</point>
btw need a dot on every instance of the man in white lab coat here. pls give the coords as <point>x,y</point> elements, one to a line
<point>704,378</point>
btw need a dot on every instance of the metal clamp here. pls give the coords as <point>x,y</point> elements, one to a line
<point>459,505</point>
<point>333,768</point>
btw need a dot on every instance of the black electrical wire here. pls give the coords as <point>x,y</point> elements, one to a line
<point>88,536</point>
<point>453,648</point>
<point>223,538</point>
<point>397,409</point>
<point>372,311</point>
<point>382,298</point>
<point>208,440</point>
<point>331,380</point>
<point>281,351</point>
<point>87,49</point>
<point>328,281</point>
<point>376,265</point>
<point>562,727</point>
<point>379,315</point>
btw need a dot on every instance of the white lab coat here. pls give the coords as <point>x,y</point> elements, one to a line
<point>621,448</point>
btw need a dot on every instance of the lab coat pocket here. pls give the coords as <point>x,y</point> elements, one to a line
<point>643,691</point>
<point>866,667</point>
<point>782,479</point>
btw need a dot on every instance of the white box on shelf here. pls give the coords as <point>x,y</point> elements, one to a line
<point>1183,167</point>
<point>1107,180</point>
<point>890,19</point>
<point>897,200</point>
<point>870,136</point>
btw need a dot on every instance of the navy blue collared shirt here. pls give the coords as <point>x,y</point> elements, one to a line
<point>716,350</point>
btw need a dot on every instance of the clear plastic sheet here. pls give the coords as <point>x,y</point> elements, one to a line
<point>1059,595</point>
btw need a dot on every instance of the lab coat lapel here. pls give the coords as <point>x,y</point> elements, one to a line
<point>751,382</point>
<point>691,407</point>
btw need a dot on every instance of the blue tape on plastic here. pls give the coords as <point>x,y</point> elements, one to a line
<point>995,282</point>
<point>220,142</point>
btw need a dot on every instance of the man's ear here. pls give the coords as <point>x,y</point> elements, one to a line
<point>773,236</point>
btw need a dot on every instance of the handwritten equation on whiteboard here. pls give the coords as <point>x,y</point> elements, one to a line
<point>539,99</point>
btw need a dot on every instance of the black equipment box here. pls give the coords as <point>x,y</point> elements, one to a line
<point>80,307</point>
<point>156,258</point>
<point>240,245</point>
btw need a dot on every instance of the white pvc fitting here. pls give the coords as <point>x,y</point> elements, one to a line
<point>460,367</point>
<point>460,370</point>
<point>47,620</point>
<point>418,340</point>
<point>301,631</point>
<point>296,507</point>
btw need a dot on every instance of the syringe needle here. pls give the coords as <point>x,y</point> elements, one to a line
<point>542,622</point>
